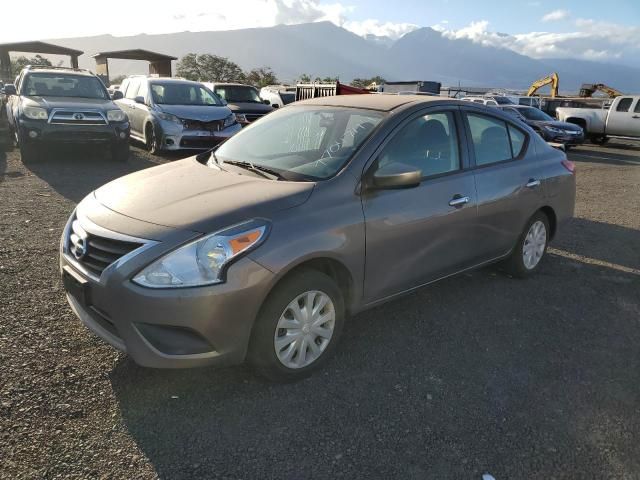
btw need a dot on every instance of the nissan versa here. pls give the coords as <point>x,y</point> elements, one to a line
<point>260,248</point>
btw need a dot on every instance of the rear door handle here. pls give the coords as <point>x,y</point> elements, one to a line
<point>458,201</point>
<point>532,183</point>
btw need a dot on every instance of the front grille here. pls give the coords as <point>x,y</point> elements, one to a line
<point>77,117</point>
<point>200,142</point>
<point>252,117</point>
<point>95,253</point>
<point>79,137</point>
<point>213,126</point>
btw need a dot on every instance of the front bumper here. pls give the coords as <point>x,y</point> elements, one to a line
<point>565,138</point>
<point>40,132</point>
<point>176,137</point>
<point>167,328</point>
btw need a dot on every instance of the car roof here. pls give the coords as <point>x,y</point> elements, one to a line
<point>374,101</point>
<point>230,84</point>
<point>70,71</point>
<point>170,80</point>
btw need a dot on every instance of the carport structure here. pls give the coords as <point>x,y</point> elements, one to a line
<point>159,63</point>
<point>33,47</point>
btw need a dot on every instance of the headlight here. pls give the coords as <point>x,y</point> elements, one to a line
<point>241,118</point>
<point>230,120</point>
<point>169,118</point>
<point>116,116</point>
<point>35,113</point>
<point>203,261</point>
<point>554,129</point>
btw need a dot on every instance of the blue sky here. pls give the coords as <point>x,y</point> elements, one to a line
<point>503,15</point>
<point>585,29</point>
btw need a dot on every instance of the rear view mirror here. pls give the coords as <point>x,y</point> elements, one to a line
<point>9,89</point>
<point>396,175</point>
<point>117,95</point>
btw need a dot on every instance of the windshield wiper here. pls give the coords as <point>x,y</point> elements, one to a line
<point>265,172</point>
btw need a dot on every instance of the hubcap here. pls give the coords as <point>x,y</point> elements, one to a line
<point>304,329</point>
<point>534,243</point>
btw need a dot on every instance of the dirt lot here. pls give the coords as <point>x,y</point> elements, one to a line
<point>481,373</point>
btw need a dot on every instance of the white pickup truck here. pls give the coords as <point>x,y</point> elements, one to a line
<point>620,120</point>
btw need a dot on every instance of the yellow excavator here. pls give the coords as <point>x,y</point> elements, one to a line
<point>588,89</point>
<point>552,80</point>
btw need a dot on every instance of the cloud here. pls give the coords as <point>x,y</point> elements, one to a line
<point>590,40</point>
<point>556,15</point>
<point>378,28</point>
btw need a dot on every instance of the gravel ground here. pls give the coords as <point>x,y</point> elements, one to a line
<point>536,378</point>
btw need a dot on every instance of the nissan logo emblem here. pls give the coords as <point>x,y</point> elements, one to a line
<point>78,116</point>
<point>79,248</point>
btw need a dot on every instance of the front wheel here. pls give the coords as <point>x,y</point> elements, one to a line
<point>531,247</point>
<point>298,327</point>
<point>151,139</point>
<point>599,139</point>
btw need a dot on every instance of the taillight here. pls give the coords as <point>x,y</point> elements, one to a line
<point>569,165</point>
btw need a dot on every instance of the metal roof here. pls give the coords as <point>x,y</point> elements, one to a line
<point>135,54</point>
<point>374,101</point>
<point>39,47</point>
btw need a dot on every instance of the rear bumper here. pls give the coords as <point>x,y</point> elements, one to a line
<point>39,132</point>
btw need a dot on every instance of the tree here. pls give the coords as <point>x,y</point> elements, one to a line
<point>304,78</point>
<point>261,77</point>
<point>326,80</point>
<point>365,82</point>
<point>209,68</point>
<point>17,64</point>
<point>117,80</point>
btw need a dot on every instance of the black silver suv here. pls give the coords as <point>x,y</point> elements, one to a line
<point>53,105</point>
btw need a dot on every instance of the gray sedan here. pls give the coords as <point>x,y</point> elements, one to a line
<point>261,248</point>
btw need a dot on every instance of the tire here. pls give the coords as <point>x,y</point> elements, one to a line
<point>598,139</point>
<point>277,320</point>
<point>151,139</point>
<point>29,153</point>
<point>517,263</point>
<point>120,153</point>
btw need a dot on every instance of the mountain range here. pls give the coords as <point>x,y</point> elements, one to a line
<point>324,49</point>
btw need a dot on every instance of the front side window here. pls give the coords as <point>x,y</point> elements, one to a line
<point>637,107</point>
<point>302,142</point>
<point>55,84</point>
<point>490,139</point>
<point>182,94</point>
<point>132,89</point>
<point>429,143</point>
<point>624,105</point>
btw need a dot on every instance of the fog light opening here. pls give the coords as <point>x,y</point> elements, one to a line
<point>169,141</point>
<point>123,135</point>
<point>33,134</point>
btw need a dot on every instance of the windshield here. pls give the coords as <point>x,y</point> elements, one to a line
<point>532,113</point>
<point>287,97</point>
<point>302,142</point>
<point>502,100</point>
<point>182,94</point>
<point>238,93</point>
<point>64,85</point>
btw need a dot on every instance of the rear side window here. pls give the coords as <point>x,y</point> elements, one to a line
<point>494,140</point>
<point>624,105</point>
<point>637,109</point>
<point>429,143</point>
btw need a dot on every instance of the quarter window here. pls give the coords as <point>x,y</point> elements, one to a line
<point>429,143</point>
<point>491,139</point>
<point>624,105</point>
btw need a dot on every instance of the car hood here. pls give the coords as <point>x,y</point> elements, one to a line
<point>563,125</point>
<point>189,195</point>
<point>249,107</point>
<point>70,102</point>
<point>203,113</point>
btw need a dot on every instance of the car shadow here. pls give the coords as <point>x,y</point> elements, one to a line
<point>584,154</point>
<point>601,241</point>
<point>478,372</point>
<point>75,172</point>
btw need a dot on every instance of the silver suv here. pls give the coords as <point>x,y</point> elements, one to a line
<point>175,114</point>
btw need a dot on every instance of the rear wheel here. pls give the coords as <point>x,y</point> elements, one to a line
<point>298,327</point>
<point>151,139</point>
<point>599,139</point>
<point>531,247</point>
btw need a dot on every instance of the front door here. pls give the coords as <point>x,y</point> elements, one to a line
<point>416,235</point>
<point>624,119</point>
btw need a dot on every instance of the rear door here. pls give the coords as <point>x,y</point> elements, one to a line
<point>415,235</point>
<point>624,118</point>
<point>508,180</point>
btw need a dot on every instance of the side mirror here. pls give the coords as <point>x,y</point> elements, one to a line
<point>266,102</point>
<point>396,175</point>
<point>117,95</point>
<point>275,105</point>
<point>139,99</point>
<point>224,102</point>
<point>9,89</point>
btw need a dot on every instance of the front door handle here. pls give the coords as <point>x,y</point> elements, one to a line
<point>532,183</point>
<point>458,201</point>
